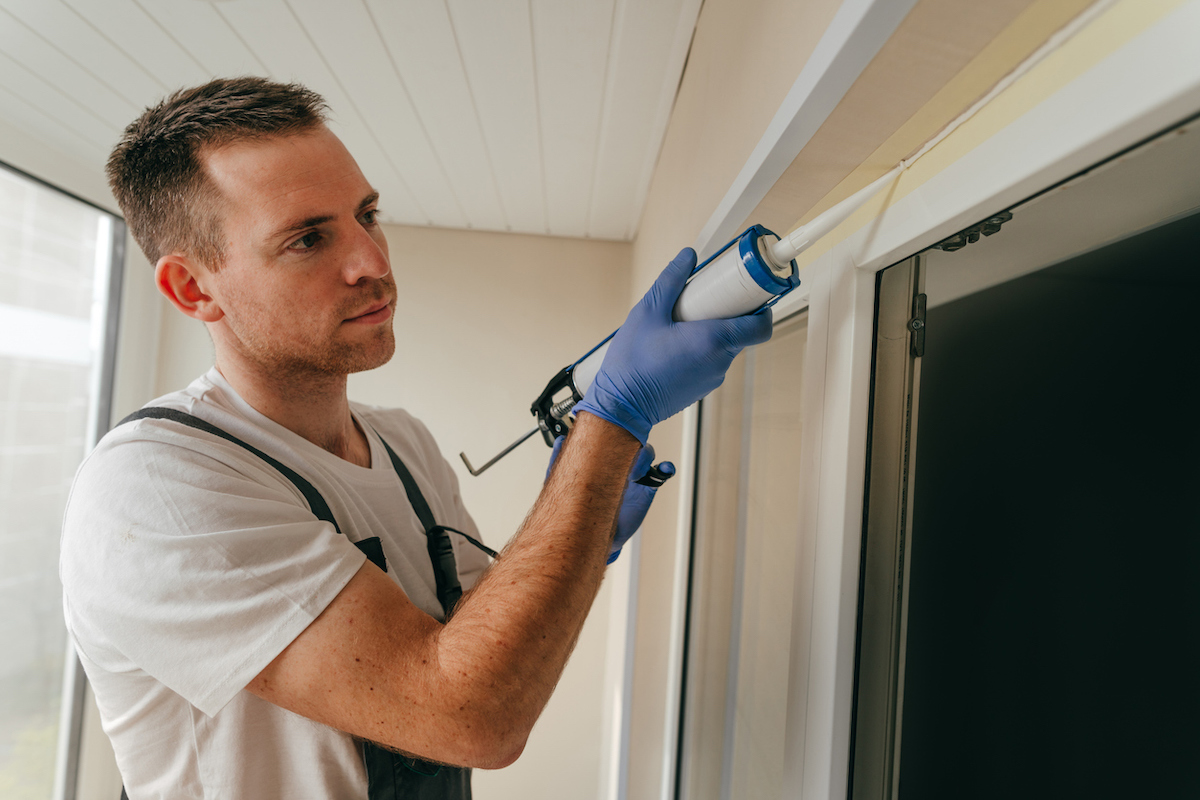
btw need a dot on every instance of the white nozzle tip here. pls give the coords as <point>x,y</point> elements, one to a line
<point>800,239</point>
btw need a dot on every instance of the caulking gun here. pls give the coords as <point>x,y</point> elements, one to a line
<point>750,273</point>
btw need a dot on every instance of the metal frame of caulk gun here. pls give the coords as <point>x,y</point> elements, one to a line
<point>759,283</point>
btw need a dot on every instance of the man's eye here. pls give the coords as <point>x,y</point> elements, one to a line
<point>306,241</point>
<point>370,217</point>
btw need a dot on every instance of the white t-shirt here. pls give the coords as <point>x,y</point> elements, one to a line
<point>189,563</point>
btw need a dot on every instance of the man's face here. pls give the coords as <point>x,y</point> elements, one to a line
<point>306,287</point>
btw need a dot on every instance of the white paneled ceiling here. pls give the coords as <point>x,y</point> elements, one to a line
<point>532,116</point>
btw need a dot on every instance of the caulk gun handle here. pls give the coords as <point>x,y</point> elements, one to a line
<point>654,477</point>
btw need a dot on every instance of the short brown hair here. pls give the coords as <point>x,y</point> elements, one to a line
<point>156,172</point>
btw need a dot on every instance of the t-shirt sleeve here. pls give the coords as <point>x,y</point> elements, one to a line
<point>197,568</point>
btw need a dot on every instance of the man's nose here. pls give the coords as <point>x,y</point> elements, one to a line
<point>366,258</point>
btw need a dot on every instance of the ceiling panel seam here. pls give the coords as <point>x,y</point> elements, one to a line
<point>479,120</point>
<point>433,148</point>
<point>437,156</point>
<point>169,35</point>
<point>54,121</point>
<point>537,104</point>
<point>68,57</point>
<point>362,118</point>
<point>604,118</point>
<point>266,73</point>
<point>552,92</point>
<point>116,46</point>
<point>37,79</point>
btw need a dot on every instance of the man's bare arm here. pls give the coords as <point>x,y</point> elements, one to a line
<point>467,692</point>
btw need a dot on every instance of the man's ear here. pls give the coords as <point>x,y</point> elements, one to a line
<point>179,279</point>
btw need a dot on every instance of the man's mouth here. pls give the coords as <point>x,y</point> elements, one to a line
<point>373,314</point>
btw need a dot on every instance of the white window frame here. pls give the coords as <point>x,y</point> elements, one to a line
<point>1147,84</point>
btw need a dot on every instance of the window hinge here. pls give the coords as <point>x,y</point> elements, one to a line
<point>971,235</point>
<point>916,326</point>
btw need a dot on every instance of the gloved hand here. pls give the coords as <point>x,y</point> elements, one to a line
<point>656,367</point>
<point>638,497</point>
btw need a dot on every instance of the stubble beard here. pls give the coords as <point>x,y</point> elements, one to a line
<point>299,360</point>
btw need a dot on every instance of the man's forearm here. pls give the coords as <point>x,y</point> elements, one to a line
<point>513,632</point>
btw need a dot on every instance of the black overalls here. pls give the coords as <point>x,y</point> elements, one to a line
<point>390,776</point>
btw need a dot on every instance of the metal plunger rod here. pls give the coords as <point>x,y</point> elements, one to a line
<point>499,455</point>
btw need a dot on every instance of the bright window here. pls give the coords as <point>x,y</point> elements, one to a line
<point>56,275</point>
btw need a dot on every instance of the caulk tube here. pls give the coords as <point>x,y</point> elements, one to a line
<point>745,275</point>
<point>740,279</point>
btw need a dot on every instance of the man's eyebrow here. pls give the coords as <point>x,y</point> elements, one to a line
<point>312,222</point>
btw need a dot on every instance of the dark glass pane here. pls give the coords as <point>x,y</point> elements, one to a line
<point>1055,587</point>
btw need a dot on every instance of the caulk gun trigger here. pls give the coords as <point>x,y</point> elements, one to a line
<point>655,477</point>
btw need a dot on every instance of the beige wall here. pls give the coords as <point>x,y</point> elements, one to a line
<point>142,310</point>
<point>184,349</point>
<point>745,56</point>
<point>483,321</point>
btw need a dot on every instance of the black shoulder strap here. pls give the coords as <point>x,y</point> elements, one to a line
<point>441,552</point>
<point>315,501</point>
<point>424,514</point>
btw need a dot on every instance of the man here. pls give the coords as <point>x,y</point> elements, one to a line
<point>238,641</point>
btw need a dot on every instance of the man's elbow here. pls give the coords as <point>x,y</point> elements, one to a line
<point>504,756</point>
<point>465,745</point>
<point>495,743</point>
<point>490,718</point>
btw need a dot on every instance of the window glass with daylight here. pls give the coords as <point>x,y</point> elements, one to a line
<point>56,273</point>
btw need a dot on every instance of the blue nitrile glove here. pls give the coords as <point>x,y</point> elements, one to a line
<point>656,367</point>
<point>637,499</point>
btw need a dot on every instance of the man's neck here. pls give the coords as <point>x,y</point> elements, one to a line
<point>315,407</point>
